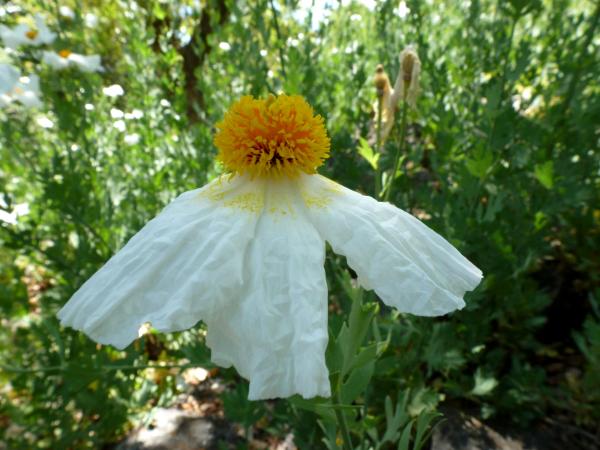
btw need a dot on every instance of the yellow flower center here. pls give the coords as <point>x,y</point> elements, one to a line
<point>277,136</point>
<point>64,53</point>
<point>31,34</point>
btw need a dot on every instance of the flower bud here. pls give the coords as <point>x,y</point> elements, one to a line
<point>407,83</point>
<point>381,81</point>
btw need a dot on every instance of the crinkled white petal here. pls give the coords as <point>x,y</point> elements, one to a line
<point>275,334</point>
<point>182,266</point>
<point>409,266</point>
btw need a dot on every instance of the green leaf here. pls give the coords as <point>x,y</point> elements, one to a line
<point>318,406</point>
<point>423,428</point>
<point>545,174</point>
<point>395,419</point>
<point>479,163</point>
<point>365,356</point>
<point>357,382</point>
<point>404,443</point>
<point>352,335</point>
<point>366,151</point>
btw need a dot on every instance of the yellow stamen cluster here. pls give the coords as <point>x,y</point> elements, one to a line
<point>277,136</point>
<point>64,53</point>
<point>31,34</point>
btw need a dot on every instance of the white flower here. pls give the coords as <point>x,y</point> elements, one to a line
<point>91,20</point>
<point>134,114</point>
<point>24,34</point>
<point>119,125</point>
<point>245,254</point>
<point>66,58</point>
<point>20,209</point>
<point>224,46</point>
<point>402,10</point>
<point>67,12</point>
<point>25,91</point>
<point>131,139</point>
<point>114,90</point>
<point>116,113</point>
<point>9,75</point>
<point>44,122</point>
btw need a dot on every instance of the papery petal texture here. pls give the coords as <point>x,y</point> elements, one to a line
<point>409,266</point>
<point>275,334</point>
<point>180,268</point>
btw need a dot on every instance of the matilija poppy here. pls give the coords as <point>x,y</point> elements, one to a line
<point>245,255</point>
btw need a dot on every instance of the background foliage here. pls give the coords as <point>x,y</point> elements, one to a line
<point>502,159</point>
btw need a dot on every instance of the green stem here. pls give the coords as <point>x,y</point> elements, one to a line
<point>279,41</point>
<point>341,418</point>
<point>400,151</point>
<point>378,146</point>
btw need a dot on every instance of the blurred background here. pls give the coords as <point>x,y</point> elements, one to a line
<point>107,113</point>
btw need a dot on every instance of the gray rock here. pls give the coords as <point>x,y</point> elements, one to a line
<point>171,429</point>
<point>462,432</point>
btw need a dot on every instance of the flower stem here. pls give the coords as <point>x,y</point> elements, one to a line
<point>378,145</point>
<point>341,419</point>
<point>400,151</point>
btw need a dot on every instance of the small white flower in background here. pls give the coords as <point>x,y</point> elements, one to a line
<point>19,210</point>
<point>9,75</point>
<point>402,10</point>
<point>165,103</point>
<point>9,9</point>
<point>89,107</point>
<point>355,17</point>
<point>25,91</point>
<point>224,46</point>
<point>245,254</point>
<point>144,329</point>
<point>263,53</point>
<point>24,34</point>
<point>66,58</point>
<point>119,125</point>
<point>114,90</point>
<point>44,122</point>
<point>131,139</point>
<point>91,20</point>
<point>67,12</point>
<point>134,114</point>
<point>116,113</point>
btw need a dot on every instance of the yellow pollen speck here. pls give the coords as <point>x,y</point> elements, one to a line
<point>64,53</point>
<point>277,136</point>
<point>31,34</point>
